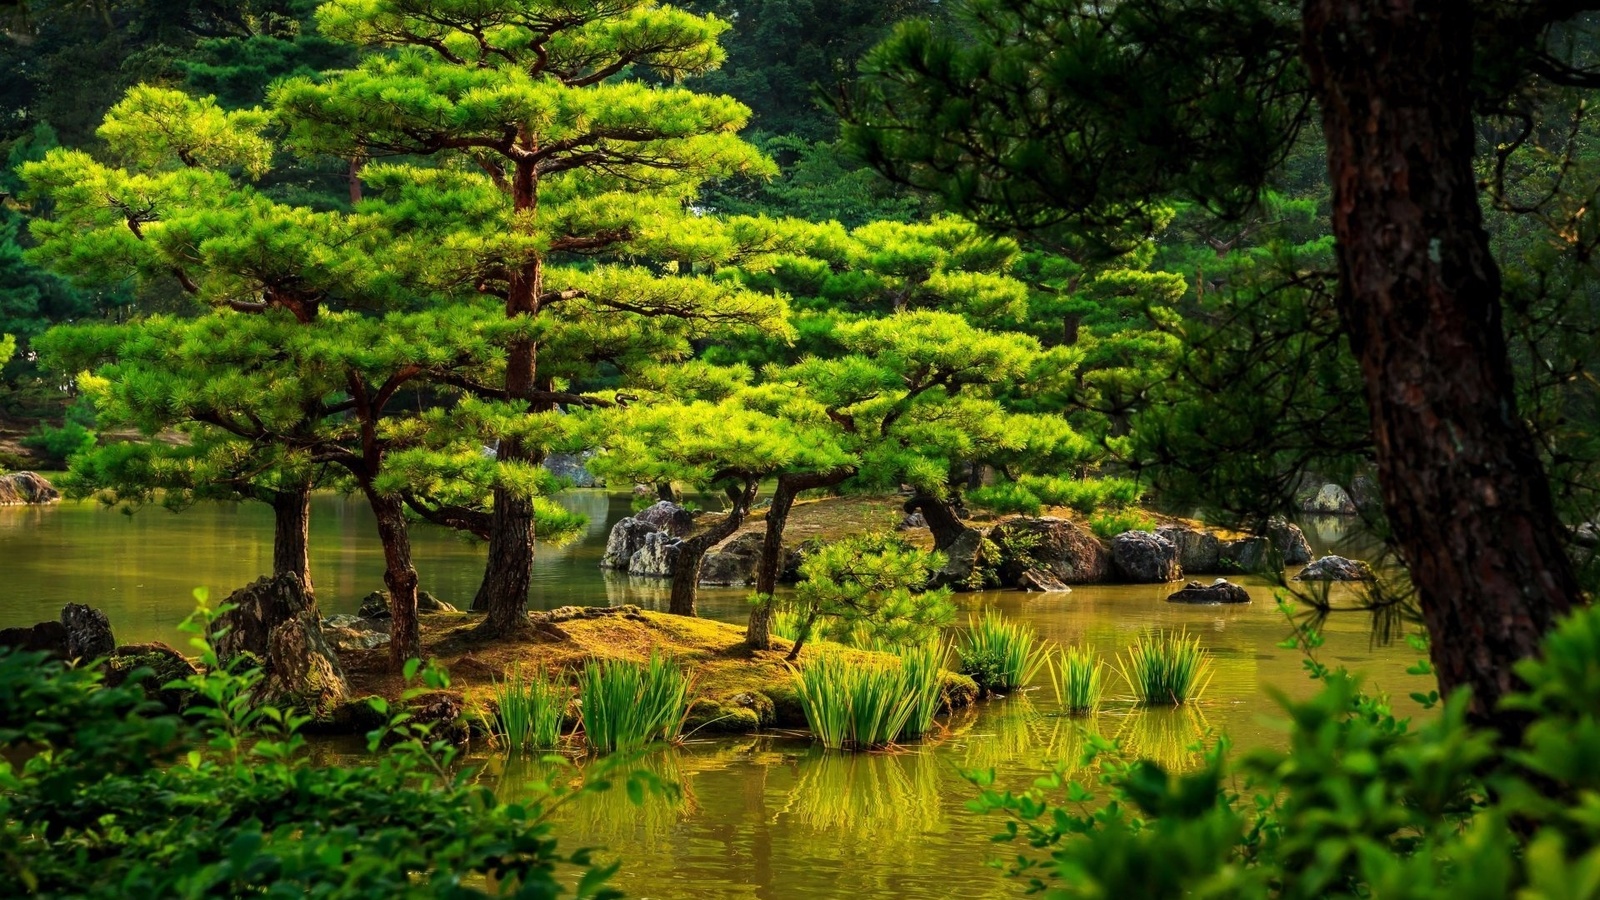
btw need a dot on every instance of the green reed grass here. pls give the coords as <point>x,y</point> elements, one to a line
<point>1166,669</point>
<point>1076,674</point>
<point>785,624</point>
<point>528,711</point>
<point>923,668</point>
<point>1000,654</point>
<point>626,705</point>
<point>854,704</point>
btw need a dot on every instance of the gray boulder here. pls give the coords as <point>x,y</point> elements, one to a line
<point>962,559</point>
<point>734,561</point>
<point>26,487</point>
<point>1289,540</point>
<point>1144,557</point>
<point>376,605</point>
<point>1336,568</point>
<point>1329,500</point>
<point>276,622</point>
<point>627,536</point>
<point>1057,548</point>
<point>668,517</point>
<point>1219,591</point>
<point>1199,552</point>
<point>88,632</point>
<point>657,557</point>
<point>1251,555</point>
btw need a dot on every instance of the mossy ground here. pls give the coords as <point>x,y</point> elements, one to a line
<point>738,690</point>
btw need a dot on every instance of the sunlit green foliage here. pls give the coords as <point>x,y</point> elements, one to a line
<point>1075,673</point>
<point>625,705</point>
<point>528,711</point>
<point>851,705</point>
<point>1000,654</point>
<point>1166,669</point>
<point>871,581</point>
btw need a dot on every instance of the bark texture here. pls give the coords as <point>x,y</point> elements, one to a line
<point>692,552</point>
<point>940,516</point>
<point>291,534</point>
<point>1462,482</point>
<point>400,576</point>
<point>758,633</point>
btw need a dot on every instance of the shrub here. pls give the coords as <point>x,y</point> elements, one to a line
<point>1108,525</point>
<point>58,444</point>
<point>999,654</point>
<point>626,705</point>
<point>1166,669</point>
<point>871,582</point>
<point>528,712</point>
<point>862,705</point>
<point>1075,672</point>
<point>231,800</point>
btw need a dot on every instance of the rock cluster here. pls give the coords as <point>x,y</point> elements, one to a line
<point>26,487</point>
<point>276,622</point>
<point>573,468</point>
<point>646,543</point>
<point>83,634</point>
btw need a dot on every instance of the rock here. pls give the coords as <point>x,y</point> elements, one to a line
<point>1289,540</point>
<point>45,637</point>
<point>376,605</point>
<point>734,561</point>
<point>277,622</point>
<point>1199,551</point>
<point>657,557</point>
<point>1251,555</point>
<point>1365,493</point>
<point>668,517</point>
<point>573,468</point>
<point>1219,591</point>
<point>1042,582</point>
<point>1144,557</point>
<point>962,559</point>
<point>912,521</point>
<point>1330,499</point>
<point>627,536</point>
<point>88,632</point>
<point>26,487</point>
<point>443,713</point>
<point>346,639</point>
<point>1050,546</point>
<point>427,602</point>
<point>162,665</point>
<point>1336,568</point>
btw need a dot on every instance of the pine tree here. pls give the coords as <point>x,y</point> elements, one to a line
<point>552,173</point>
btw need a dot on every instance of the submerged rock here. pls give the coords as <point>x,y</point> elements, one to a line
<point>276,621</point>
<point>26,487</point>
<point>1144,557</point>
<point>1336,568</point>
<point>1057,548</point>
<point>1219,591</point>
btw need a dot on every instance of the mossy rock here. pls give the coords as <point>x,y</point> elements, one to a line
<point>742,713</point>
<point>958,690</point>
<point>786,709</point>
<point>156,666</point>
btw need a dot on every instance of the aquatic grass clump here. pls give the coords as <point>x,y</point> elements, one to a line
<point>1076,674</point>
<point>785,624</point>
<point>528,711</point>
<point>999,654</point>
<point>626,705</point>
<point>855,705</point>
<point>923,669</point>
<point>1166,669</point>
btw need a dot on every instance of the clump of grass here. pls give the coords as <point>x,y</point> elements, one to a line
<point>1166,669</point>
<point>923,668</point>
<point>626,705</point>
<point>999,654</point>
<point>528,711</point>
<point>1110,523</point>
<point>1076,674</point>
<point>785,624</point>
<point>855,706</point>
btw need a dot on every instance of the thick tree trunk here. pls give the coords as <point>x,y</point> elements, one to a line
<point>400,576</point>
<point>509,569</point>
<point>940,516</point>
<point>1462,482</point>
<point>692,552</point>
<point>758,633</point>
<point>291,534</point>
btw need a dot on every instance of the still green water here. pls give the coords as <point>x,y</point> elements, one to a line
<point>766,817</point>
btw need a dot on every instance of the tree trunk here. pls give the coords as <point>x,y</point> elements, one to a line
<point>758,633</point>
<point>1420,298</point>
<point>291,534</point>
<point>509,569</point>
<point>400,576</point>
<point>692,552</point>
<point>941,518</point>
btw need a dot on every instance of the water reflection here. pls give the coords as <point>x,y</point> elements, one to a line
<point>875,798</point>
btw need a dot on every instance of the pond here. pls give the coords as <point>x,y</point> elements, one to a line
<point>763,817</point>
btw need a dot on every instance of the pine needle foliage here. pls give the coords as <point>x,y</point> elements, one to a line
<point>626,705</point>
<point>1166,669</point>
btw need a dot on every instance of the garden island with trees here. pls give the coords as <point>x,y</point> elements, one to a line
<point>785,448</point>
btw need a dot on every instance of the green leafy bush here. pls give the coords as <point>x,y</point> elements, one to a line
<point>1030,494</point>
<point>104,794</point>
<point>59,443</point>
<point>1360,803</point>
<point>1108,525</point>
